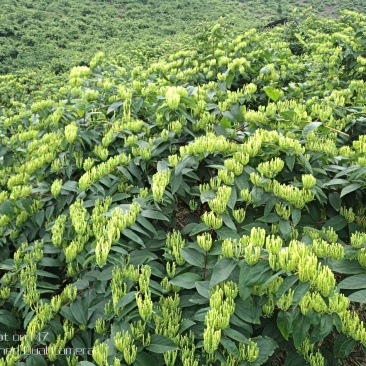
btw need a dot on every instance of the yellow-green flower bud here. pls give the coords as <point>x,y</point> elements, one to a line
<point>204,241</point>
<point>71,132</point>
<point>56,187</point>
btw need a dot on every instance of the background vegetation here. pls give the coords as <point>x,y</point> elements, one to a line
<point>205,209</point>
<point>66,33</point>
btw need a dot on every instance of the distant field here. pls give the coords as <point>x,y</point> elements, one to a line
<point>64,33</point>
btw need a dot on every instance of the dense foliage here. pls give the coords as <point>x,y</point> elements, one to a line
<point>208,209</point>
<point>59,34</point>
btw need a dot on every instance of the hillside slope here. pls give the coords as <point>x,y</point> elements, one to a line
<point>206,209</point>
<point>60,34</point>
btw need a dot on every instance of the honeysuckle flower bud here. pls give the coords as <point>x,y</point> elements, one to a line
<point>209,218</point>
<point>172,98</point>
<point>100,354</point>
<point>246,195</point>
<point>358,239</point>
<point>257,236</point>
<point>211,339</point>
<point>239,215</point>
<point>273,244</point>
<point>159,181</point>
<point>227,248</point>
<point>204,241</point>
<point>56,187</point>
<point>226,176</point>
<point>101,152</point>
<point>56,302</point>
<point>71,132</point>
<point>271,168</point>
<point>145,306</point>
<point>268,307</point>
<point>308,181</point>
<point>361,257</point>
<point>252,254</point>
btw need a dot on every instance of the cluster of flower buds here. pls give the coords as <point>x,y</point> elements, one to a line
<point>78,217</point>
<point>248,352</point>
<point>100,353</point>
<point>187,348</point>
<point>360,144</point>
<point>208,144</point>
<point>239,215</point>
<point>205,241</point>
<point>175,243</point>
<point>58,230</point>
<point>111,232</point>
<point>358,239</point>
<point>246,195</point>
<point>323,249</point>
<point>353,326</point>
<point>218,317</point>
<point>97,172</point>
<point>173,160</point>
<point>159,182</point>
<point>218,204</point>
<point>41,105</point>
<point>124,344</point>
<point>271,168</point>
<point>283,210</point>
<point>324,145</point>
<point>168,322</point>
<point>173,95</point>
<point>307,350</point>
<point>211,220</point>
<point>298,198</point>
<point>235,166</point>
<point>348,214</point>
<point>71,132</point>
<point>138,332</point>
<point>101,152</point>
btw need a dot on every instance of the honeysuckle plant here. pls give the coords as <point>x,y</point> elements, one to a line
<point>208,209</point>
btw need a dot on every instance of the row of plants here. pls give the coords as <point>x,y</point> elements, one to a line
<point>207,209</point>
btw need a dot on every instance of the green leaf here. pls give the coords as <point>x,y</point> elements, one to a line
<point>36,360</point>
<point>230,346</point>
<point>272,93</point>
<point>155,215</point>
<point>161,344</point>
<point>358,296</point>
<point>301,324</point>
<point>126,299</point>
<point>79,311</point>
<point>295,215</point>
<point>310,127</point>
<point>199,228</point>
<point>322,329</point>
<point>234,334</point>
<point>186,280</point>
<point>285,228</point>
<point>343,345</point>
<point>134,237</point>
<point>346,266</point>
<point>286,285</point>
<point>288,115</point>
<point>290,161</point>
<point>300,292</point>
<point>336,222</point>
<point>40,218</point>
<point>193,257</point>
<point>222,270</point>
<point>335,200</point>
<point>226,233</point>
<point>353,283</point>
<point>71,186</point>
<point>7,318</point>
<point>284,323</point>
<point>350,188</point>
